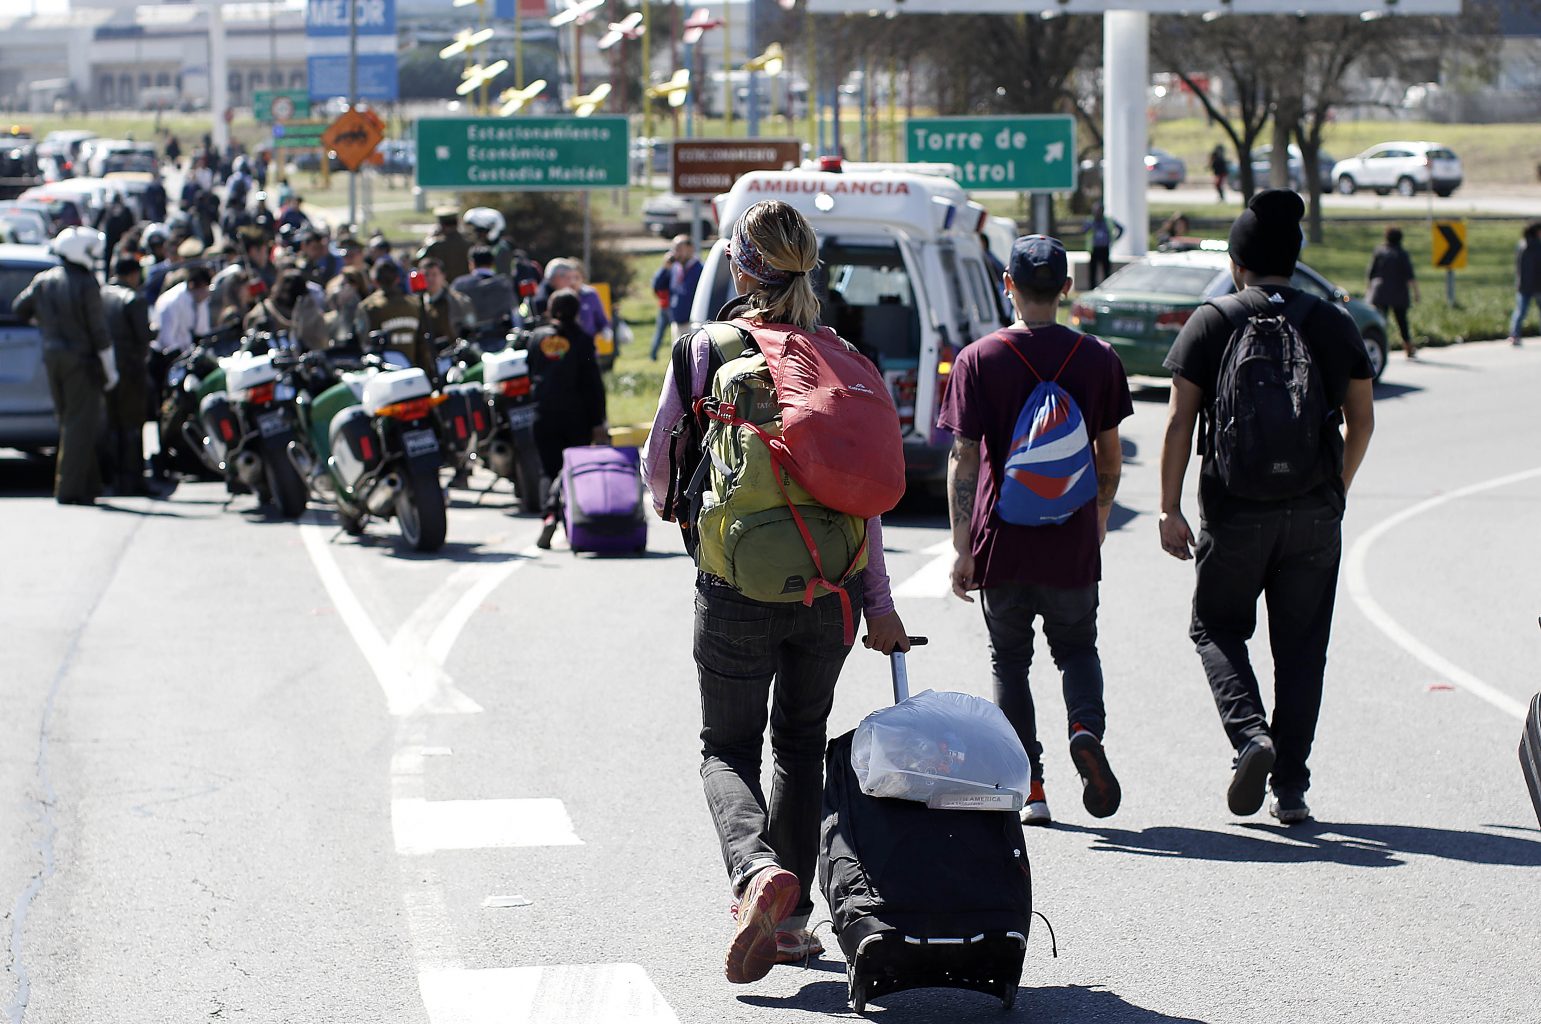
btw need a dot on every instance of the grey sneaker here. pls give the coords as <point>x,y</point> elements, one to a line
<point>1289,807</point>
<point>1249,784</point>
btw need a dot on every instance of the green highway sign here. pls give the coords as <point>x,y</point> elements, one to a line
<point>1024,153</point>
<point>299,134</point>
<point>280,105</point>
<point>549,154</point>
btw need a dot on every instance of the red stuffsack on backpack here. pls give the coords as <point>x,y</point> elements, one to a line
<point>840,436</point>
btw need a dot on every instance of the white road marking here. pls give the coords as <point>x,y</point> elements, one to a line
<point>1359,590</point>
<point>577,994</point>
<point>934,579</point>
<point>427,826</point>
<point>422,893</point>
<point>475,589</point>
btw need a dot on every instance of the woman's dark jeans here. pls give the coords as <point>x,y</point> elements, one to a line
<point>759,663</point>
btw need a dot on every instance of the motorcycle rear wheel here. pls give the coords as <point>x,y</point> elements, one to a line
<point>420,513</point>
<point>285,487</point>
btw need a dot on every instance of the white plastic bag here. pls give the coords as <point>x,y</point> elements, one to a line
<point>947,750</point>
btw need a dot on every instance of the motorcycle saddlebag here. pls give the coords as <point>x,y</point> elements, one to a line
<point>220,422</point>
<point>355,448</point>
<point>602,503</point>
<point>922,897</point>
<point>465,414</point>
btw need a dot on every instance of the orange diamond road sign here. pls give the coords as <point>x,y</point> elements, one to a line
<point>353,136</point>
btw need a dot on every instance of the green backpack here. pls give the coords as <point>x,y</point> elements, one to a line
<point>757,528</point>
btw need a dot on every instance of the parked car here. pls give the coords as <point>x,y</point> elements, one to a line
<point>1161,168</point>
<point>98,156</point>
<point>26,407</point>
<point>645,151</point>
<point>669,215</point>
<point>23,226</point>
<point>1408,167</point>
<point>398,156</point>
<point>1262,167</point>
<point>64,148</point>
<point>48,210</point>
<point>1139,309</point>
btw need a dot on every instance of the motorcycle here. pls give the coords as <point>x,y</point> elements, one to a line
<point>378,439</point>
<point>497,373</point>
<point>249,420</point>
<point>183,381</point>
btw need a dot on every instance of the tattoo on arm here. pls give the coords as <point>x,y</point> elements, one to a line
<point>963,473</point>
<point>1107,487</point>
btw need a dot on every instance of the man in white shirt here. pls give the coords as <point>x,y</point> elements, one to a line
<point>182,311</point>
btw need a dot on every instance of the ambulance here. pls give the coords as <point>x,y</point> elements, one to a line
<point>902,274</point>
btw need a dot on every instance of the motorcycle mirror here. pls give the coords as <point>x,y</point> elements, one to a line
<point>416,282</point>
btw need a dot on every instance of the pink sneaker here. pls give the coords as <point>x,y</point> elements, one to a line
<point>769,899</point>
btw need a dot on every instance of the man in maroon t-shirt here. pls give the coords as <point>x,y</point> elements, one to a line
<point>1050,571</point>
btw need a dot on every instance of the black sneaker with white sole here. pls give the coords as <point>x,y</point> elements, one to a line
<point>1100,792</point>
<point>1249,784</point>
<point>1289,807</point>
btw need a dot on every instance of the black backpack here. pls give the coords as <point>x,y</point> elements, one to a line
<point>1269,424</point>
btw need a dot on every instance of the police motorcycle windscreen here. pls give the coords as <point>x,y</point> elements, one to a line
<point>220,423</point>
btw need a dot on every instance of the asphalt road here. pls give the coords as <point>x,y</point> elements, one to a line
<point>258,771</point>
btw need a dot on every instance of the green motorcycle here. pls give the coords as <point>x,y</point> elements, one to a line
<point>372,439</point>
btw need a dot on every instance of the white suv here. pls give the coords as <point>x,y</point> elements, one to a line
<point>1408,167</point>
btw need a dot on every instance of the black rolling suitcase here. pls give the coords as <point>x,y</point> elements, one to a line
<point>1530,752</point>
<point>921,898</point>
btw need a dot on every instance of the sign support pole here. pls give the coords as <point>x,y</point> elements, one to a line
<point>588,234</point>
<point>1125,132</point>
<point>352,103</point>
<point>1450,288</point>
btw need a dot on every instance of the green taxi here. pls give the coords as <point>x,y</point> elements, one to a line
<point>1139,309</point>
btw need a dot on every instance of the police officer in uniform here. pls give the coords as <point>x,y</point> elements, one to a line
<point>446,313</point>
<point>484,226</point>
<point>390,310</point>
<point>66,302</point>
<point>128,324</point>
<point>489,291</point>
<point>447,245</point>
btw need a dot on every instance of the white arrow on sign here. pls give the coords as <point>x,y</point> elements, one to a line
<point>1053,152</point>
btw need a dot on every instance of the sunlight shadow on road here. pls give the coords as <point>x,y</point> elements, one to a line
<point>925,1006</point>
<point>1352,845</point>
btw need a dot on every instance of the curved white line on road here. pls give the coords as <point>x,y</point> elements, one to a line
<point>1359,590</point>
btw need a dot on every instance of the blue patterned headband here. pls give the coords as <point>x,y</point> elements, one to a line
<point>749,259</point>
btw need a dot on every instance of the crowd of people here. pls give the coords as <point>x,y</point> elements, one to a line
<point>137,289</point>
<point>1278,541</point>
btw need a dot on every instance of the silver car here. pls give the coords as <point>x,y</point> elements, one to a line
<point>26,407</point>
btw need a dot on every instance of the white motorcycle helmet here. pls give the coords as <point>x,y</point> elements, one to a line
<point>155,234</point>
<point>80,246</point>
<point>485,218</point>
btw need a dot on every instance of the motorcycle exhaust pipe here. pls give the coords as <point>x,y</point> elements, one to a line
<point>201,446</point>
<point>500,456</point>
<point>382,496</point>
<point>300,459</point>
<point>248,466</point>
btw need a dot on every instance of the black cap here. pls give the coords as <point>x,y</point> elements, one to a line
<point>1266,237</point>
<point>1038,262</point>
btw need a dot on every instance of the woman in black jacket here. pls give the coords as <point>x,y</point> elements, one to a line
<point>1390,278</point>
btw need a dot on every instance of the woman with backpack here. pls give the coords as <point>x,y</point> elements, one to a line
<point>787,646</point>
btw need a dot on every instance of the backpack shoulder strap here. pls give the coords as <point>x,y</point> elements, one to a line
<point>729,338</point>
<point>1233,309</point>
<point>1001,336</point>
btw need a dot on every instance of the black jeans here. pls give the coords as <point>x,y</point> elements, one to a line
<point>1100,265</point>
<point>1070,623</point>
<point>741,647</point>
<point>1400,312</point>
<point>1288,553</point>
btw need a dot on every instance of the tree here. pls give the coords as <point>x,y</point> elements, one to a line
<point>1244,50</point>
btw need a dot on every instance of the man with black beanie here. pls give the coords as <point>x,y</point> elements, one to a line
<point>1281,540</point>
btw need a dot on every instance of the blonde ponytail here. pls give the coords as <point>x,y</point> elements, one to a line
<point>777,247</point>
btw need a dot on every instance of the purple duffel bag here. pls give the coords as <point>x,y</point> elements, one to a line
<point>603,509</point>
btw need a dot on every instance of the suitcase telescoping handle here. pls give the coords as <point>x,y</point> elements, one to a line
<point>901,674</point>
